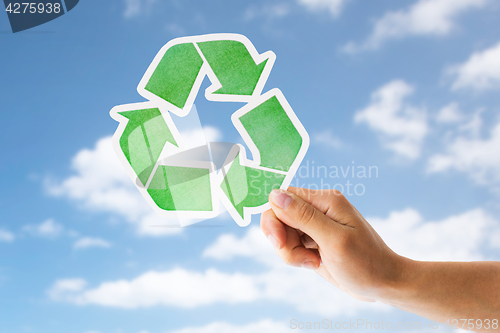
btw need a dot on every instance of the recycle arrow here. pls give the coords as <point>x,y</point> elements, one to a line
<point>143,140</point>
<point>231,62</point>
<point>147,138</point>
<point>273,133</point>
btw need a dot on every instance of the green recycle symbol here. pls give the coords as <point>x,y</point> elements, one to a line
<point>147,137</point>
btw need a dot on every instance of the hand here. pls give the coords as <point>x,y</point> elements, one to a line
<point>321,230</point>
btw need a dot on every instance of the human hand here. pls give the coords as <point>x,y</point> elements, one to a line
<point>321,230</point>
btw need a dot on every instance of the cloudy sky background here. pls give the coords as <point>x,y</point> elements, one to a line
<point>409,87</point>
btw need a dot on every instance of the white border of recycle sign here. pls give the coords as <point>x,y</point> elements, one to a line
<point>169,149</point>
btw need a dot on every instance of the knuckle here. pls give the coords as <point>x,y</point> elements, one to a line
<point>337,203</point>
<point>306,213</point>
<point>336,195</point>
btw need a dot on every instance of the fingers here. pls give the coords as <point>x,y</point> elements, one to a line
<point>299,214</point>
<point>273,229</point>
<point>332,203</point>
<point>308,242</point>
<point>295,254</point>
<point>289,247</point>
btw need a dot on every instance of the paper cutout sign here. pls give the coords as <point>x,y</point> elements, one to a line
<point>147,140</point>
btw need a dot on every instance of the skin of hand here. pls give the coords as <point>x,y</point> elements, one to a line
<point>309,226</point>
<point>322,231</point>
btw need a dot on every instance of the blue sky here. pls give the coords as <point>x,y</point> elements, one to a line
<point>411,87</point>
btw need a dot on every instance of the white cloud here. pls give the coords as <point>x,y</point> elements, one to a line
<point>135,8</point>
<point>153,225</point>
<point>261,326</point>
<point>201,136</point>
<point>271,11</point>
<point>307,292</point>
<point>328,139</point>
<point>62,288</point>
<point>178,288</point>
<point>423,18</point>
<point>334,7</point>
<point>266,326</point>
<point>47,229</point>
<point>400,126</point>
<point>252,245</point>
<point>87,242</point>
<point>469,153</point>
<point>450,114</point>
<point>456,238</point>
<point>459,237</point>
<point>472,126</point>
<point>480,72</point>
<point>6,236</point>
<point>101,184</point>
<point>304,290</point>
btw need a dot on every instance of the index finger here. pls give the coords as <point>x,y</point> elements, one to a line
<point>332,203</point>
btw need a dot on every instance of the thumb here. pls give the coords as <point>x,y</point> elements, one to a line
<point>296,213</point>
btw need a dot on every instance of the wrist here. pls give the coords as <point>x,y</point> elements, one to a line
<point>400,285</point>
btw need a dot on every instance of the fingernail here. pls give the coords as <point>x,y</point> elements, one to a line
<point>309,265</point>
<point>274,242</point>
<point>280,198</point>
